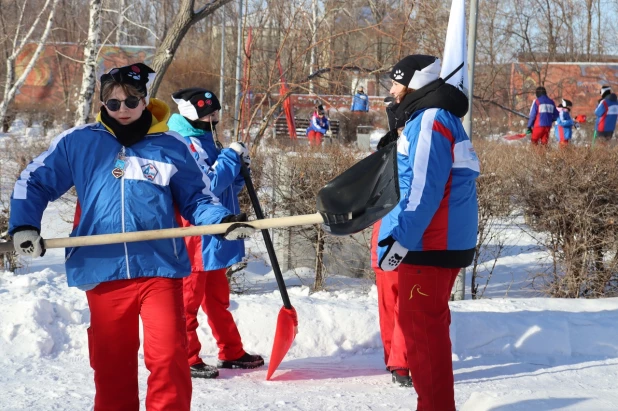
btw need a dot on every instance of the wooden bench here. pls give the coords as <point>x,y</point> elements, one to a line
<point>281,127</point>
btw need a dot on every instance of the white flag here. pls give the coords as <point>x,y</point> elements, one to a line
<point>455,48</point>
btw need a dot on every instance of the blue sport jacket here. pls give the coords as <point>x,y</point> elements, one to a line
<point>159,171</point>
<point>222,167</point>
<point>437,216</point>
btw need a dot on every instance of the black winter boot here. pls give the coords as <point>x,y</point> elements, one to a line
<point>402,377</point>
<point>246,361</point>
<point>204,371</point>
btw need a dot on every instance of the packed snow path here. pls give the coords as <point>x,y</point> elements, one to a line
<point>519,354</point>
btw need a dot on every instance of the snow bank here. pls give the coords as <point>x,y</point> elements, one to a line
<point>41,316</point>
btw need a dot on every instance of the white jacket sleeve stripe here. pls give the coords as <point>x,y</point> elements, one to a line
<point>20,191</point>
<point>205,179</point>
<point>421,159</point>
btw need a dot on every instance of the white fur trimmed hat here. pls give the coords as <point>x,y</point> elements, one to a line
<point>416,71</point>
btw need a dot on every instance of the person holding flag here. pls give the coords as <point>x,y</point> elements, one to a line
<point>432,233</point>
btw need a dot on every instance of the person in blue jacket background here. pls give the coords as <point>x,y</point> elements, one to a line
<point>210,256</point>
<point>543,113</point>
<point>432,233</point>
<point>318,126</point>
<point>606,112</point>
<point>360,101</point>
<point>128,172</point>
<point>564,123</point>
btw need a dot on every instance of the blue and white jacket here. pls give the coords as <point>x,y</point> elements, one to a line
<point>607,113</point>
<point>564,126</point>
<point>318,124</point>
<point>222,167</point>
<point>360,102</point>
<point>437,216</point>
<point>159,172</point>
<point>543,112</point>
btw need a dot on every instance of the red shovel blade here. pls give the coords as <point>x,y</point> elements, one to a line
<point>515,136</point>
<point>287,327</point>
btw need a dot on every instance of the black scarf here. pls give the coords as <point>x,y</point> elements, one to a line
<point>202,125</point>
<point>131,133</point>
<point>436,94</point>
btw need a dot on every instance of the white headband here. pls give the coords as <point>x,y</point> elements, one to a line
<point>425,76</point>
<point>186,109</point>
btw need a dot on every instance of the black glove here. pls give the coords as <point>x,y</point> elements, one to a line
<point>388,138</point>
<point>234,218</point>
<point>238,230</point>
<point>28,242</point>
<point>394,254</point>
<point>529,130</point>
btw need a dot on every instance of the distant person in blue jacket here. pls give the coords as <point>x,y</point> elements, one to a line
<point>318,126</point>
<point>432,233</point>
<point>606,112</point>
<point>564,123</point>
<point>360,101</point>
<point>128,171</point>
<point>542,115</point>
<point>207,286</point>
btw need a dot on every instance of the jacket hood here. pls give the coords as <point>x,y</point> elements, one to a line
<point>436,94</point>
<point>160,114</point>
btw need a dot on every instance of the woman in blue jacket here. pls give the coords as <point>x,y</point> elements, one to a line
<point>564,123</point>
<point>431,234</point>
<point>128,172</point>
<point>210,256</point>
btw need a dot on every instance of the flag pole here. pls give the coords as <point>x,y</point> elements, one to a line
<point>459,290</point>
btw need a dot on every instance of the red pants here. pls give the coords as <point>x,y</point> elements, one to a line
<point>211,290</point>
<point>540,133</point>
<point>425,318</point>
<point>315,138</point>
<point>113,342</point>
<point>388,310</point>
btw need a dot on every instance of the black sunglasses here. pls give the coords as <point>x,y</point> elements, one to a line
<point>113,104</point>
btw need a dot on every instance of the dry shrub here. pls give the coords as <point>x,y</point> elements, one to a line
<point>495,208</point>
<point>349,121</point>
<point>572,195</point>
<point>295,177</point>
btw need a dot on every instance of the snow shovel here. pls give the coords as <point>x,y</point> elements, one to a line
<point>349,203</point>
<point>287,320</point>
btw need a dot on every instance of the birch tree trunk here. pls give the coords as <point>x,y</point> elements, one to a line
<point>11,87</point>
<point>120,34</point>
<point>84,103</point>
<point>185,18</point>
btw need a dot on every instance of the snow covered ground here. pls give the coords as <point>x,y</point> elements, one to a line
<point>509,353</point>
<point>512,350</point>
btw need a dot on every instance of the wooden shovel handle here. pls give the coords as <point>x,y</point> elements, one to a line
<point>102,239</point>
